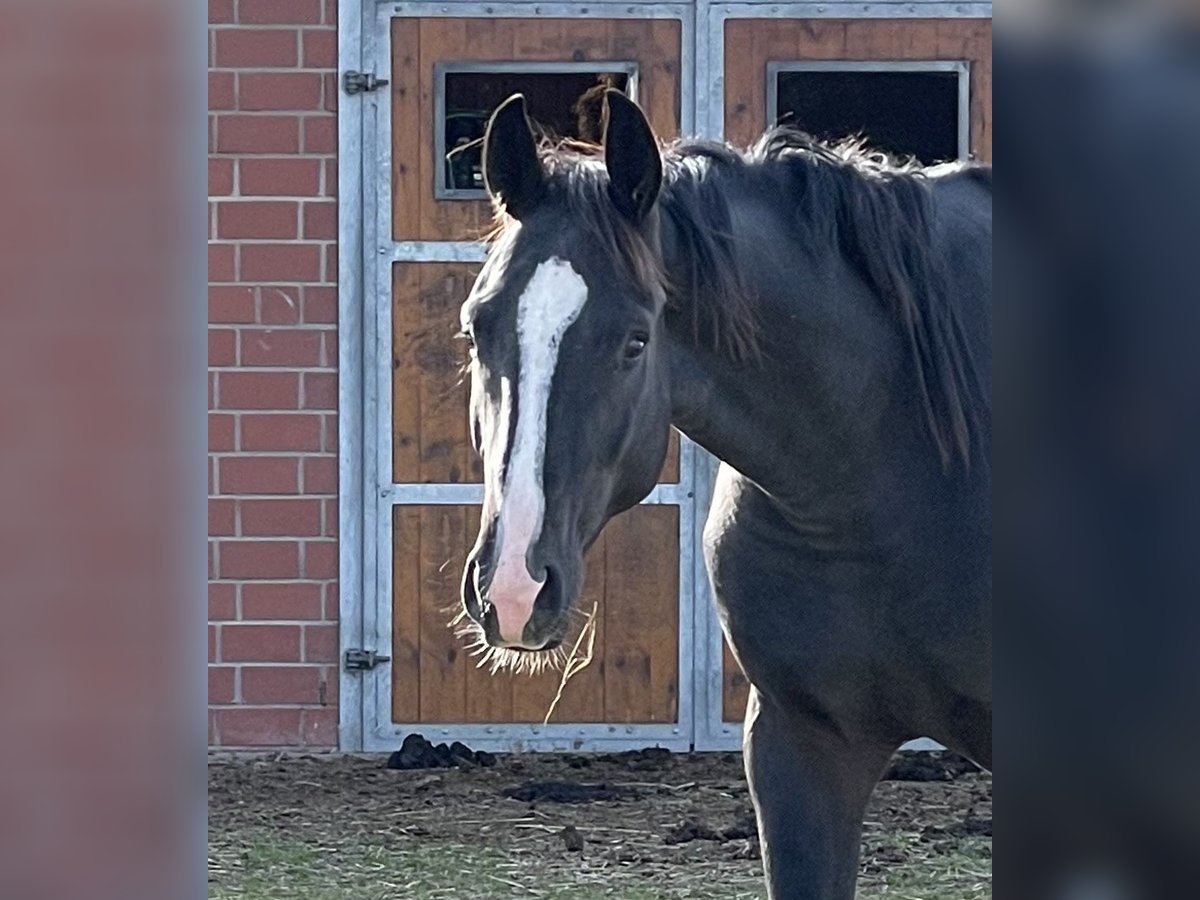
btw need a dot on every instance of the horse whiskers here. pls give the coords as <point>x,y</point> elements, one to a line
<point>521,662</point>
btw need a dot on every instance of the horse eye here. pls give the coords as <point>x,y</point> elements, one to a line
<point>635,346</point>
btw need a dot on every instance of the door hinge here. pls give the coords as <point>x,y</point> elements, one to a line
<point>359,82</point>
<point>362,660</point>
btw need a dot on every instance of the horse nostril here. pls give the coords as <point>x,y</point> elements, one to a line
<point>550,597</point>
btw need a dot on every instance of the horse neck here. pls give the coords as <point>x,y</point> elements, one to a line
<point>805,416</point>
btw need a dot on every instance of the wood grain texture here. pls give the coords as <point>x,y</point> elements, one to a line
<point>751,43</point>
<point>641,615</point>
<point>406,373</point>
<point>444,659</point>
<point>406,613</point>
<point>430,424</point>
<point>735,688</point>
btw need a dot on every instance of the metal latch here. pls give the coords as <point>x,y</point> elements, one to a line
<point>358,82</point>
<point>361,660</point>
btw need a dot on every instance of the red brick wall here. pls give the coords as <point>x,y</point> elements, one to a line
<point>272,353</point>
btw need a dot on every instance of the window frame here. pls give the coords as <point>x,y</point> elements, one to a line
<point>962,68</point>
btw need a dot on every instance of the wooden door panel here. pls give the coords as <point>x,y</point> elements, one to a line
<point>430,437</point>
<point>420,43</point>
<point>751,43</point>
<point>632,577</point>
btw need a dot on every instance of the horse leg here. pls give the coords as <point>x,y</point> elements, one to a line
<point>810,790</point>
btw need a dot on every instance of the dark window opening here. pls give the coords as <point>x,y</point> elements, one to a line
<point>565,104</point>
<point>907,113</point>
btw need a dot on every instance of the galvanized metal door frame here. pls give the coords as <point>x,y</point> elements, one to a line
<point>369,626</point>
<point>366,252</point>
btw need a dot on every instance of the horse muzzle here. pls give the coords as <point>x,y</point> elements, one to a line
<point>514,609</point>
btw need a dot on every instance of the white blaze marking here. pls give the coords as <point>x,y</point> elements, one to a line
<point>551,301</point>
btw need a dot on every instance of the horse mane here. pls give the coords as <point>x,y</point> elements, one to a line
<point>876,209</point>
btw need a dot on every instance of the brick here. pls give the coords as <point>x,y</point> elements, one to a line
<point>320,475</point>
<point>330,520</point>
<point>259,475</point>
<point>221,264</point>
<point>281,262</point>
<point>220,684</point>
<point>220,12</point>
<point>220,177</point>
<point>221,520</point>
<point>332,601</point>
<point>331,262</point>
<point>281,684</point>
<point>320,726</point>
<point>222,601</point>
<point>230,305</point>
<point>320,643</point>
<point>320,305</point>
<point>282,347</point>
<point>320,390</point>
<point>329,349</point>
<point>258,390</point>
<point>320,221</point>
<point>281,432</point>
<point>330,12</point>
<point>320,558</point>
<point>258,219</point>
<point>258,134</point>
<point>280,305</point>
<point>260,643</point>
<point>281,518</point>
<point>277,12</point>
<point>331,433</point>
<point>282,177</point>
<point>282,601</point>
<point>259,559</point>
<point>248,726</point>
<point>279,90</point>
<point>221,91</point>
<point>214,643</point>
<point>220,432</point>
<point>330,677</point>
<point>241,48</point>
<point>320,134</point>
<point>329,93</point>
<point>331,176</point>
<point>320,48</point>
<point>222,347</point>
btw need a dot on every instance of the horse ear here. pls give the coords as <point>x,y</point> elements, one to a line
<point>511,169</point>
<point>632,157</point>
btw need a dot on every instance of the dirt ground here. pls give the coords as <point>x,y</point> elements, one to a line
<point>632,827</point>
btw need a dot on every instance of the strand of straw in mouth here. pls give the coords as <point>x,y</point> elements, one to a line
<point>575,663</point>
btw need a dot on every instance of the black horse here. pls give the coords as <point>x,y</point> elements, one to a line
<point>819,319</point>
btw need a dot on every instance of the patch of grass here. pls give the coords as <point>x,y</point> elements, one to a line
<point>961,873</point>
<point>273,866</point>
